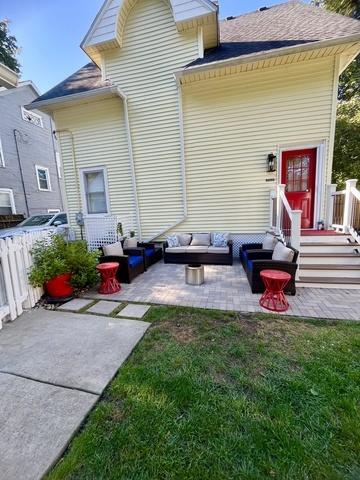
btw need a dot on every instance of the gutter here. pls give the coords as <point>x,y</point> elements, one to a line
<point>233,61</point>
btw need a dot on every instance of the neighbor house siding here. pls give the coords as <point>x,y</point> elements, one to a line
<point>99,134</point>
<point>143,68</point>
<point>230,126</point>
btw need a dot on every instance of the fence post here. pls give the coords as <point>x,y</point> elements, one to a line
<point>330,190</point>
<point>348,204</point>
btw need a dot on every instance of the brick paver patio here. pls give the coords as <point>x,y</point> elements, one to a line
<point>226,288</point>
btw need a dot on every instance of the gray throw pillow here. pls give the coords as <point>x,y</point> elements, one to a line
<point>269,242</point>
<point>200,240</point>
<point>115,249</point>
<point>282,253</point>
<point>184,239</point>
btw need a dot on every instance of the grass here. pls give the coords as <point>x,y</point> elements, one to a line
<point>214,395</point>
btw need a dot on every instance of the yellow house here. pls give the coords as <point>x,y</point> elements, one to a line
<point>179,117</point>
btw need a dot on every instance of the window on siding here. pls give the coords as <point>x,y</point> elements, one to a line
<point>31,117</point>
<point>2,158</point>
<point>7,204</point>
<point>95,191</point>
<point>43,178</point>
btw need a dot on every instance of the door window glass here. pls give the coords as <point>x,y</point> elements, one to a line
<point>297,173</point>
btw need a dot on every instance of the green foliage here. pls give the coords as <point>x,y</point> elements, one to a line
<point>8,47</point>
<point>55,256</point>
<point>347,145</point>
<point>350,8</point>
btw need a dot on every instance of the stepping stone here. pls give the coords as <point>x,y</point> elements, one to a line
<point>134,311</point>
<point>75,304</point>
<point>103,307</point>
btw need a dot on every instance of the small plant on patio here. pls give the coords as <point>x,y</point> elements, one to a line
<point>68,263</point>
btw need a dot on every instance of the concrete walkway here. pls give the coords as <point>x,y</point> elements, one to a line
<point>53,367</point>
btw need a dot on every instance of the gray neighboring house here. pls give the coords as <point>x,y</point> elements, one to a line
<point>30,168</point>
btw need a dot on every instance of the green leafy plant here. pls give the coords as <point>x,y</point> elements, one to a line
<point>132,233</point>
<point>55,256</point>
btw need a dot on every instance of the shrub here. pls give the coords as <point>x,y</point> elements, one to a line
<point>55,256</point>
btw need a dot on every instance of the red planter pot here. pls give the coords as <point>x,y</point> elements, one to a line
<point>59,286</point>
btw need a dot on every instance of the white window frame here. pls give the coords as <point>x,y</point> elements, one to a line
<point>83,171</point>
<point>12,201</point>
<point>2,158</point>
<point>37,168</point>
<point>25,112</point>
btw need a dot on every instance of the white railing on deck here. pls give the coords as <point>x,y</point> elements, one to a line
<point>284,220</point>
<point>15,261</point>
<point>344,209</point>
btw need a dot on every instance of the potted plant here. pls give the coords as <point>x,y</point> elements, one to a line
<point>60,266</point>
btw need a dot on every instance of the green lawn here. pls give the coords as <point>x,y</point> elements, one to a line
<point>214,395</point>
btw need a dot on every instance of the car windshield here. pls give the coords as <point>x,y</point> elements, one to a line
<point>36,220</point>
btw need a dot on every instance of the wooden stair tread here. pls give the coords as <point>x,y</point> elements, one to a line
<point>330,280</point>
<point>329,244</point>
<point>319,266</point>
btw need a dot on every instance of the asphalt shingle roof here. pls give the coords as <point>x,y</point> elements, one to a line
<point>284,25</point>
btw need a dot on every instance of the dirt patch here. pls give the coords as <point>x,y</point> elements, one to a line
<point>181,332</point>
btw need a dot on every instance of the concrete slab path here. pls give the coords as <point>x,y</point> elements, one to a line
<point>53,367</point>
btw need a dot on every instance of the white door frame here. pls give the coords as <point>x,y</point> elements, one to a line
<point>321,148</point>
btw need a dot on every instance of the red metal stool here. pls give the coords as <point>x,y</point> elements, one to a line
<point>273,298</point>
<point>109,283</point>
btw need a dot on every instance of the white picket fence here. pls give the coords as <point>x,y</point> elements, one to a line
<point>15,261</point>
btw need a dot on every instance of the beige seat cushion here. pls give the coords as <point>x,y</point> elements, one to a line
<point>196,249</point>
<point>218,250</point>
<point>114,249</point>
<point>200,239</point>
<point>282,253</point>
<point>184,239</point>
<point>269,242</point>
<point>175,249</point>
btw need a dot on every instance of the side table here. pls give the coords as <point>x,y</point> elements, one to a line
<point>109,283</point>
<point>273,298</point>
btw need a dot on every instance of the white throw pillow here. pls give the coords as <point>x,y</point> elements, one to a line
<point>184,239</point>
<point>114,249</point>
<point>282,253</point>
<point>200,240</point>
<point>269,242</point>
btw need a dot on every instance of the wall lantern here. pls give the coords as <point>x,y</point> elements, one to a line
<point>271,162</point>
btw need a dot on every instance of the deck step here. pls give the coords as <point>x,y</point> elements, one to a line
<point>325,266</point>
<point>330,280</point>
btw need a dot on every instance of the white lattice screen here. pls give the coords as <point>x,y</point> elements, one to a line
<point>240,238</point>
<point>101,231</point>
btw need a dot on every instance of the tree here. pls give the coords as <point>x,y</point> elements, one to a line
<point>8,47</point>
<point>350,8</point>
<point>347,144</point>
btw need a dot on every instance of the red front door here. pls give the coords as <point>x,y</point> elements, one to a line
<point>298,174</point>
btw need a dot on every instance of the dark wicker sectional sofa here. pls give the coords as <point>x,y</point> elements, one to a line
<point>206,256</point>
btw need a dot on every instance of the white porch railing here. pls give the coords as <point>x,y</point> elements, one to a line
<point>15,260</point>
<point>344,209</point>
<point>283,219</point>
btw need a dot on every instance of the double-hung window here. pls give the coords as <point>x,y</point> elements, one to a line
<point>94,183</point>
<point>43,178</point>
<point>7,204</point>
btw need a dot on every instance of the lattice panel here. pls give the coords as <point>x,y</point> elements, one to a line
<point>100,231</point>
<point>239,238</point>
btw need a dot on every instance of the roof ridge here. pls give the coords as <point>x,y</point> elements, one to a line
<point>271,7</point>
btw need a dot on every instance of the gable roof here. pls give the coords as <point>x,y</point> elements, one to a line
<point>284,25</point>
<point>83,80</point>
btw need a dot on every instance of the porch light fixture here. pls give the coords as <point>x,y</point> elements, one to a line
<point>271,158</point>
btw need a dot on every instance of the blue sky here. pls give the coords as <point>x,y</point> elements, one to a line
<point>49,33</point>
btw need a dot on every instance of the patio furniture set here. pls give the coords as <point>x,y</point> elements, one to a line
<point>270,266</point>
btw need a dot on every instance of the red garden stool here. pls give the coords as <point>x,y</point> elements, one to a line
<point>273,298</point>
<point>109,284</point>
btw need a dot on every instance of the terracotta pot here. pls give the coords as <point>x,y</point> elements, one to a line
<point>59,286</point>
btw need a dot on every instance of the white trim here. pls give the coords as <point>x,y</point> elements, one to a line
<point>10,192</point>
<point>320,147</point>
<point>58,164</point>
<point>182,150</point>
<point>2,158</point>
<point>85,170</point>
<point>25,112</point>
<point>333,114</point>
<point>200,38</point>
<point>53,210</point>
<point>37,168</point>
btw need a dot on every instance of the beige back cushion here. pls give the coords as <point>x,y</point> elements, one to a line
<point>282,253</point>
<point>115,249</point>
<point>200,239</point>
<point>184,239</point>
<point>269,242</point>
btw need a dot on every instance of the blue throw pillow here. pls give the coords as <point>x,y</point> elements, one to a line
<point>219,239</point>
<point>173,241</point>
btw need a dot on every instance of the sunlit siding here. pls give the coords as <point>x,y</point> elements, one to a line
<point>100,140</point>
<point>143,68</point>
<point>232,123</point>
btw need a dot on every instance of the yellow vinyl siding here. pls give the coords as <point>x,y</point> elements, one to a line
<point>232,123</point>
<point>100,140</point>
<point>152,50</point>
